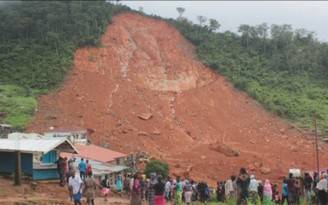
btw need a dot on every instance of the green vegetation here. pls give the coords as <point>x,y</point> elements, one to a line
<point>286,72</point>
<point>157,167</point>
<point>19,103</point>
<point>38,42</point>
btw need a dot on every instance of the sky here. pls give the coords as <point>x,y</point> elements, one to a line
<point>311,15</point>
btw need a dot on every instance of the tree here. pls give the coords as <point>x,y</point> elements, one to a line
<point>214,24</point>
<point>141,9</point>
<point>157,167</point>
<point>201,19</point>
<point>262,31</point>
<point>180,11</point>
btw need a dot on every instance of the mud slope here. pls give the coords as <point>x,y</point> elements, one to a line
<point>193,118</point>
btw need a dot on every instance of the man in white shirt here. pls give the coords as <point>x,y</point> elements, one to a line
<point>168,190</point>
<point>322,189</point>
<point>228,187</point>
<point>75,187</point>
<point>253,185</point>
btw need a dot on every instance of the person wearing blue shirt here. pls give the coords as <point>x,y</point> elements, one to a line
<point>284,192</point>
<point>82,168</point>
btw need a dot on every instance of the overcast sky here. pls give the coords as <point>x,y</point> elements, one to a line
<point>311,15</point>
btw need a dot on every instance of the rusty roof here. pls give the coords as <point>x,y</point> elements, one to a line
<point>97,153</point>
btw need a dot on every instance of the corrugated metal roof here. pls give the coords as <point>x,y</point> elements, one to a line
<point>100,168</point>
<point>19,135</point>
<point>67,128</point>
<point>36,146</point>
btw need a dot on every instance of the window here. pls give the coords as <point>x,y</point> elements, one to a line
<point>50,157</point>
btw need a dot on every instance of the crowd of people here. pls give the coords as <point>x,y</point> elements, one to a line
<point>157,190</point>
<point>241,189</point>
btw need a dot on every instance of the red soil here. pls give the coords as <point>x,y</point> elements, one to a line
<point>194,119</point>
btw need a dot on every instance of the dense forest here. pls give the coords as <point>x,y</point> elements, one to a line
<point>285,69</point>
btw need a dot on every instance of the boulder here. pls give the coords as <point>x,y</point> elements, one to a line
<point>265,170</point>
<point>145,116</point>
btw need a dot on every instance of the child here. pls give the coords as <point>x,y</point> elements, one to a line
<point>277,197</point>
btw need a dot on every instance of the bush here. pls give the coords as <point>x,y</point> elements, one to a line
<point>157,167</point>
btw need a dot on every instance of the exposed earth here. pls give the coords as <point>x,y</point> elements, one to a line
<point>47,192</point>
<point>145,90</point>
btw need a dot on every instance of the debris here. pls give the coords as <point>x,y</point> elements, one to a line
<point>145,116</point>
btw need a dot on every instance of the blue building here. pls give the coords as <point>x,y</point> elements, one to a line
<point>38,157</point>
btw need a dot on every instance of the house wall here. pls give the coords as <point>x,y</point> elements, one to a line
<point>80,137</point>
<point>7,162</point>
<point>120,161</point>
<point>43,174</point>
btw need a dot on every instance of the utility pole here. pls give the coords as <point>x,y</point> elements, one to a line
<point>316,141</point>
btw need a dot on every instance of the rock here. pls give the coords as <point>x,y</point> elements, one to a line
<point>251,167</point>
<point>141,133</point>
<point>202,157</point>
<point>265,170</point>
<point>257,164</point>
<point>157,132</point>
<point>224,149</point>
<point>145,116</point>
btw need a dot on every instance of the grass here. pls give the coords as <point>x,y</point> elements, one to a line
<point>18,103</point>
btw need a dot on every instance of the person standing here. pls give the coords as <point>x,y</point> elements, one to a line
<point>89,168</point>
<point>307,185</point>
<point>168,190</point>
<point>243,183</point>
<point>105,187</point>
<point>75,187</point>
<point>59,169</point>
<point>188,192</point>
<point>253,188</point>
<point>284,192</point>
<point>229,192</point>
<point>118,183</point>
<point>89,190</point>
<point>151,190</point>
<point>260,190</point>
<point>322,190</point>
<point>159,188</point>
<point>291,189</point>
<point>135,190</point>
<point>82,168</point>
<point>267,192</point>
<point>178,192</point>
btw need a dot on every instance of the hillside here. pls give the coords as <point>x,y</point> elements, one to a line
<point>145,89</point>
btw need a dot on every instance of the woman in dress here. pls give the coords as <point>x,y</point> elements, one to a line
<point>151,192</point>
<point>90,189</point>
<point>159,188</point>
<point>267,192</point>
<point>135,190</point>
<point>119,183</point>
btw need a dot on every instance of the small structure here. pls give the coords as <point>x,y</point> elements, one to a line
<point>37,156</point>
<point>100,169</point>
<point>73,133</point>
<point>24,136</point>
<point>103,161</point>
